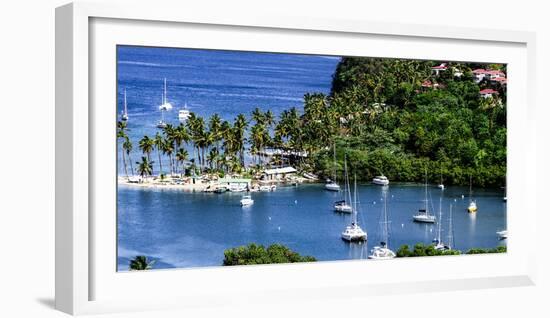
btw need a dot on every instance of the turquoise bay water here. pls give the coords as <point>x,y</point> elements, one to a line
<point>186,229</point>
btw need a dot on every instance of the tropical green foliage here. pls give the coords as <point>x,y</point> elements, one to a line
<point>499,249</point>
<point>257,254</point>
<point>140,263</point>
<point>423,250</point>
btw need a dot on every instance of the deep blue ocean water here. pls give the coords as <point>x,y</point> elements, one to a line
<point>185,229</point>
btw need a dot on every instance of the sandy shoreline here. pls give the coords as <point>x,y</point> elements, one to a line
<point>187,184</point>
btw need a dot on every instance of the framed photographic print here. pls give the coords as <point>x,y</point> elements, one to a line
<point>218,157</point>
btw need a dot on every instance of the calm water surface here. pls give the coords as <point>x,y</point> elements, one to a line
<point>185,229</point>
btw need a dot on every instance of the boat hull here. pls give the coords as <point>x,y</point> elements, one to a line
<point>424,219</point>
<point>332,187</point>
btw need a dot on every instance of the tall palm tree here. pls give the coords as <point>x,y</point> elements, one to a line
<point>145,167</point>
<point>168,149</point>
<point>127,147</point>
<point>240,126</point>
<point>159,141</point>
<point>181,156</point>
<point>215,128</point>
<point>140,263</point>
<point>146,145</point>
<point>121,134</point>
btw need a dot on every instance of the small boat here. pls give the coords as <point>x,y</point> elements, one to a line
<point>332,185</point>
<point>124,116</point>
<point>441,185</point>
<point>310,176</point>
<point>472,207</point>
<point>246,200</point>
<point>220,190</point>
<point>503,234</point>
<point>342,205</point>
<point>383,252</point>
<point>267,188</point>
<point>423,215</point>
<point>450,238</point>
<point>161,124</point>
<point>353,232</point>
<point>184,113</point>
<point>381,180</point>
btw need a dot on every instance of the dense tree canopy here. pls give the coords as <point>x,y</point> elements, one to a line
<point>257,254</point>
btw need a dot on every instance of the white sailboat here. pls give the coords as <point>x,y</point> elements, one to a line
<point>124,116</point>
<point>472,207</point>
<point>331,185</point>
<point>423,215</point>
<point>343,205</point>
<point>438,243</point>
<point>165,104</point>
<point>353,232</point>
<point>383,251</point>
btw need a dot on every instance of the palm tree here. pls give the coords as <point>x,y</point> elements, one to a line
<point>181,156</point>
<point>121,134</point>
<point>159,141</point>
<point>127,148</point>
<point>215,128</point>
<point>145,167</point>
<point>140,263</point>
<point>212,157</point>
<point>168,149</point>
<point>239,129</point>
<point>146,145</point>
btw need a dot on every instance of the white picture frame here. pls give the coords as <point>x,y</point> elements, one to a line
<point>86,281</point>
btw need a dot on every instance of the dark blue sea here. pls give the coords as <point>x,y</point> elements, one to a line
<point>185,229</point>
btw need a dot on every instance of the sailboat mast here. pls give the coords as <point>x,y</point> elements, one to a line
<point>386,234</point>
<point>164,95</point>
<point>125,103</point>
<point>334,162</point>
<point>354,220</point>
<point>450,236</point>
<point>439,221</point>
<point>426,190</point>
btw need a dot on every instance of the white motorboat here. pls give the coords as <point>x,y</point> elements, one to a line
<point>124,115</point>
<point>383,251</point>
<point>342,205</point>
<point>441,186</point>
<point>503,234</point>
<point>332,186</point>
<point>423,215</point>
<point>165,106</point>
<point>184,113</point>
<point>246,200</point>
<point>381,180</point>
<point>353,232</point>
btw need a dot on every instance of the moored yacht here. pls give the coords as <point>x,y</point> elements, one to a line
<point>246,200</point>
<point>381,180</point>
<point>503,234</point>
<point>353,232</point>
<point>472,207</point>
<point>332,185</point>
<point>165,104</point>
<point>124,116</point>
<point>423,215</point>
<point>343,205</point>
<point>383,251</point>
<point>184,113</point>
